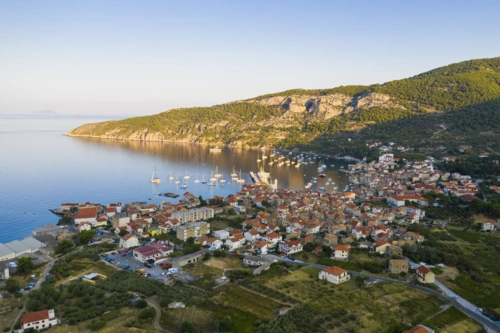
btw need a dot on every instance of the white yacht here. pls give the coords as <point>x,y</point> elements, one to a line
<point>196,180</point>
<point>216,149</point>
<point>154,178</point>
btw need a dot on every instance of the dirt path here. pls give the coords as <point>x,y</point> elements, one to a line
<point>264,295</point>
<point>156,321</point>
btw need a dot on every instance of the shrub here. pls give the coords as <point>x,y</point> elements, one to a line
<point>97,325</point>
<point>141,304</point>
<point>147,314</point>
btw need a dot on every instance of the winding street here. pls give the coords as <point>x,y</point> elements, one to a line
<point>156,321</point>
<point>445,294</point>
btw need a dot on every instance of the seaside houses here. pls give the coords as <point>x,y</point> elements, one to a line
<point>290,247</point>
<point>86,214</point>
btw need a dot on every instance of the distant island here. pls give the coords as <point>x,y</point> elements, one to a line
<point>449,107</point>
<point>45,113</point>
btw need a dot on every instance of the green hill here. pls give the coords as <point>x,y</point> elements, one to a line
<point>456,105</point>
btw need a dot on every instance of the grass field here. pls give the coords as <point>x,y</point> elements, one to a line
<point>375,308</point>
<point>464,326</point>
<point>446,318</point>
<point>112,326</point>
<point>473,237</point>
<point>239,298</point>
<point>454,215</point>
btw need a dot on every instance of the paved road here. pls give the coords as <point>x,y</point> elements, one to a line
<point>445,294</point>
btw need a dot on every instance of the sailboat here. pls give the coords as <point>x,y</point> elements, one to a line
<point>234,174</point>
<point>187,176</point>
<point>222,180</point>
<point>171,177</point>
<point>213,179</point>
<point>177,181</point>
<point>196,180</point>
<point>154,179</point>
<point>240,180</point>
<point>217,174</point>
<point>203,181</point>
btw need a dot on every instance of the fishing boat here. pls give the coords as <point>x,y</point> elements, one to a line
<point>308,185</point>
<point>322,175</point>
<point>322,189</point>
<point>216,149</point>
<point>187,176</point>
<point>171,177</point>
<point>196,180</point>
<point>203,181</point>
<point>259,160</point>
<point>336,188</point>
<point>154,178</point>
<point>234,174</point>
<point>211,184</point>
<point>185,184</point>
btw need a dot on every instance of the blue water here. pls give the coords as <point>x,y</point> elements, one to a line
<point>40,168</point>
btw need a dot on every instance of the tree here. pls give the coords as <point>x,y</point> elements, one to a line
<point>25,265</point>
<point>86,236</point>
<point>65,220</point>
<point>187,327</point>
<point>123,232</point>
<point>231,211</point>
<point>12,286</point>
<point>226,324</point>
<point>64,246</point>
<point>141,304</point>
<point>265,203</point>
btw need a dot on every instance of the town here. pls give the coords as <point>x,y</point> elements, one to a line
<point>367,237</point>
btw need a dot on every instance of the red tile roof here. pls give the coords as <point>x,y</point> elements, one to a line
<point>334,270</point>
<point>35,316</point>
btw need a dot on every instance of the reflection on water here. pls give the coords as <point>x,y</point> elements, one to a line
<point>177,158</point>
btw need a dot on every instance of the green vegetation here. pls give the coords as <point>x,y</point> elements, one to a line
<point>473,237</point>
<point>86,236</point>
<point>454,215</point>
<point>64,246</point>
<point>25,265</point>
<point>446,318</point>
<point>464,98</point>
<point>422,308</point>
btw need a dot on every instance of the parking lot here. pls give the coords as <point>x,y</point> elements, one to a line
<point>155,271</point>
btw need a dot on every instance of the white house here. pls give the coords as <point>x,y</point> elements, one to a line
<point>39,320</point>
<point>83,226</point>
<point>399,200</point>
<point>252,235</point>
<point>487,226</point>
<point>290,247</point>
<point>153,251</point>
<point>128,241</point>
<point>341,252</point>
<point>221,234</point>
<point>272,238</point>
<point>260,246</point>
<point>334,274</point>
<point>86,214</point>
<point>235,242</point>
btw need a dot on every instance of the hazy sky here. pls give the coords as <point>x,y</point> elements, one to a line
<point>144,57</point>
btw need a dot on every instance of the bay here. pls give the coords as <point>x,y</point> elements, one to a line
<point>40,168</point>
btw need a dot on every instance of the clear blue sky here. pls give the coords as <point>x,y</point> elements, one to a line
<point>144,57</point>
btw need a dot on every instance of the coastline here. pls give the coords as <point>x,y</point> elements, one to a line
<point>210,144</point>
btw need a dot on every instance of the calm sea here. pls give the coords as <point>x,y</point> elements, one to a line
<point>40,168</point>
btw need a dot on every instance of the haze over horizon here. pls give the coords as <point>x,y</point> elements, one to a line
<point>138,58</point>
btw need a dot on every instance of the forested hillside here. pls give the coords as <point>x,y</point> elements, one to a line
<point>455,105</point>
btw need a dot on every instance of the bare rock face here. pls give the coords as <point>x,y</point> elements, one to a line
<point>329,106</point>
